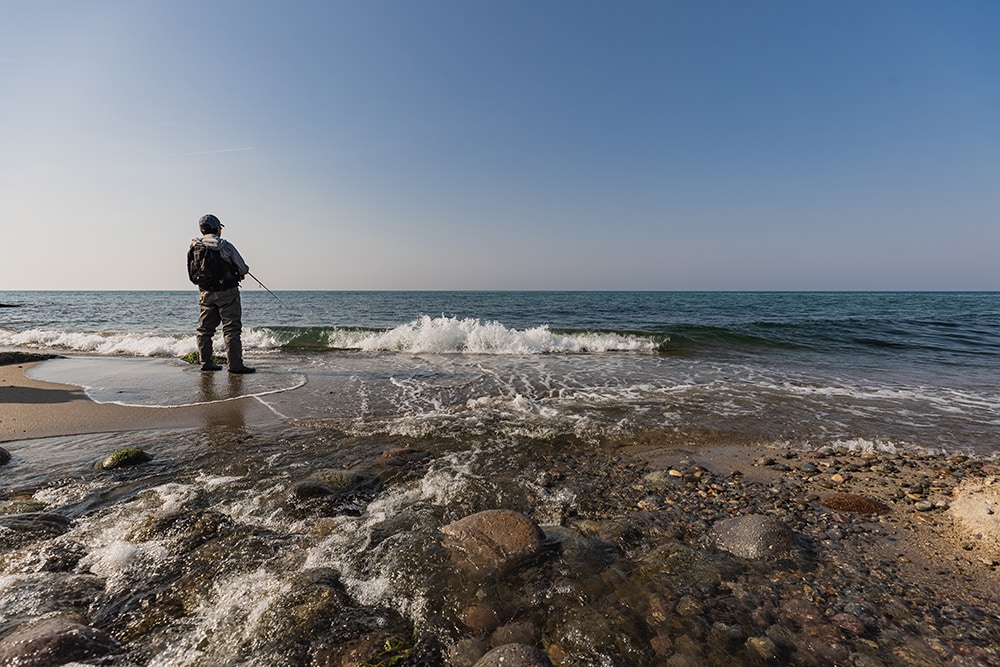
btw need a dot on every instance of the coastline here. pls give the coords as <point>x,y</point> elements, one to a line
<point>34,409</point>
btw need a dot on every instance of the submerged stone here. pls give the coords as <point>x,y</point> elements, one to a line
<point>17,530</point>
<point>4,457</point>
<point>492,540</point>
<point>514,655</point>
<point>55,641</point>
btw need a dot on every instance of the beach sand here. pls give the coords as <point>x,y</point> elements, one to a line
<point>32,409</point>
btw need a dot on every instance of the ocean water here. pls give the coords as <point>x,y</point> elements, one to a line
<point>208,554</point>
<point>889,370</point>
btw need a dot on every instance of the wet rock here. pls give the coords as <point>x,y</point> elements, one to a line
<point>611,633</point>
<point>479,618</point>
<point>466,652</point>
<point>18,530</point>
<point>516,632</point>
<point>336,485</point>
<point>725,637</point>
<point>124,457</point>
<point>311,489</point>
<point>55,641</point>
<point>404,455</point>
<point>850,502</point>
<point>849,624</point>
<point>4,457</point>
<point>514,655</point>
<point>689,606</point>
<point>494,540</point>
<point>753,537</point>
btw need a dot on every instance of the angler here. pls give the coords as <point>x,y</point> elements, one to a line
<point>216,267</point>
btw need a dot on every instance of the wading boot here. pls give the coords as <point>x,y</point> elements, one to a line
<point>205,354</point>
<point>234,352</point>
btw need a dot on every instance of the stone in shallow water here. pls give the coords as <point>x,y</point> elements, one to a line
<point>492,540</point>
<point>514,655</point>
<point>4,456</point>
<point>55,641</point>
<point>124,457</point>
<point>18,530</point>
<point>753,537</point>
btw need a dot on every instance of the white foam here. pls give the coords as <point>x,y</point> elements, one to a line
<point>129,344</point>
<point>474,336</point>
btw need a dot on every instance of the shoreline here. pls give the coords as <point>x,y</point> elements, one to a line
<point>33,409</point>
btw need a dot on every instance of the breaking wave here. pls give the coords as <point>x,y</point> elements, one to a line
<point>441,335</point>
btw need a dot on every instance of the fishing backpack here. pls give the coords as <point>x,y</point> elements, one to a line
<point>208,270</point>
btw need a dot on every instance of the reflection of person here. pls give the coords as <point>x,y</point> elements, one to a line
<point>217,268</point>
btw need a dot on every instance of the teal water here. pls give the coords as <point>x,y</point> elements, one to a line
<point>877,369</point>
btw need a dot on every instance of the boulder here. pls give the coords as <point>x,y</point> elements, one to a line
<point>4,457</point>
<point>55,641</point>
<point>753,536</point>
<point>493,540</point>
<point>514,655</point>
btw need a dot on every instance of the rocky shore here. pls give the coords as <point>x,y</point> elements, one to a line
<point>641,555</point>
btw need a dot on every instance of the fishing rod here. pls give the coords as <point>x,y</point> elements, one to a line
<point>268,291</point>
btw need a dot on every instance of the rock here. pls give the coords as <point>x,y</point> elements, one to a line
<point>753,537</point>
<point>465,652</point>
<point>124,457</point>
<point>18,530</point>
<point>516,632</point>
<point>514,655</point>
<point>344,483</point>
<point>4,457</point>
<point>479,618</point>
<point>689,606</point>
<point>55,641</point>
<point>762,649</point>
<point>850,502</point>
<point>494,540</point>
<point>311,489</point>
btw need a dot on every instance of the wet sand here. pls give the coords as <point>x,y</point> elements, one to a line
<point>33,409</point>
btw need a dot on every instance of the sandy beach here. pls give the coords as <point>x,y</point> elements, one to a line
<point>33,409</point>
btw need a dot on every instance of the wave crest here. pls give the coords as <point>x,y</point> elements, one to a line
<point>473,336</point>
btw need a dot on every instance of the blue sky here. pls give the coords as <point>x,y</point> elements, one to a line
<point>554,144</point>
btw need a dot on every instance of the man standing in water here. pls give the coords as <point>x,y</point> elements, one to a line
<point>217,268</point>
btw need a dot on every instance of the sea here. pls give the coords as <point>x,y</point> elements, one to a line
<point>494,387</point>
<point>866,369</point>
